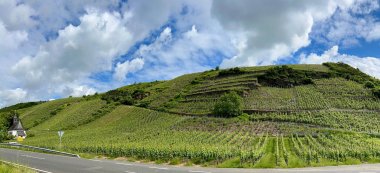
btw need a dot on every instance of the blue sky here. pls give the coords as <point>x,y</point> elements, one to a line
<point>54,49</point>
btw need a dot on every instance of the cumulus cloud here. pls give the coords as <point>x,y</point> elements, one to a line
<point>268,30</point>
<point>122,69</point>
<point>52,16</point>
<point>78,90</point>
<point>173,54</point>
<point>16,15</point>
<point>348,26</point>
<point>9,97</point>
<point>369,65</point>
<point>10,40</point>
<point>60,48</point>
<point>77,52</point>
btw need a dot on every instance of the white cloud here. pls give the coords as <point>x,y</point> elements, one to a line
<point>76,91</point>
<point>16,15</point>
<point>122,69</point>
<point>55,15</point>
<point>78,52</point>
<point>347,27</point>
<point>10,40</point>
<point>270,29</point>
<point>174,54</point>
<point>57,50</point>
<point>369,65</point>
<point>13,96</point>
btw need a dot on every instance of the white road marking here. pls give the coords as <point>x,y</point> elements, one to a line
<point>153,167</point>
<point>95,160</point>
<point>367,172</point>
<point>33,157</point>
<point>129,172</point>
<point>126,164</point>
<point>199,171</point>
<point>35,169</point>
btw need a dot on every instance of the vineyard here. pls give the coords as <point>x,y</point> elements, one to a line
<point>330,120</point>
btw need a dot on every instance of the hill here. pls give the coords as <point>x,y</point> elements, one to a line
<point>293,116</point>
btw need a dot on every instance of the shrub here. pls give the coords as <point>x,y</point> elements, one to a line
<point>243,117</point>
<point>139,94</point>
<point>123,97</point>
<point>228,105</point>
<point>346,71</point>
<point>284,76</point>
<point>369,84</point>
<point>195,81</point>
<point>231,71</point>
<point>143,104</point>
<point>376,92</point>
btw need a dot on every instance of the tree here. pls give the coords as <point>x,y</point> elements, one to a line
<point>228,105</point>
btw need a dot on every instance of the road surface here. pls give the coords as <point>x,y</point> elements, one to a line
<point>48,163</point>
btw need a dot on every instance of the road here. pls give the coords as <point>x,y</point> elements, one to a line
<point>48,163</point>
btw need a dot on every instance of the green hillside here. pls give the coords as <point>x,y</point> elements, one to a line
<point>291,116</point>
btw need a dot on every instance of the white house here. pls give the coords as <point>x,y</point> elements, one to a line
<point>16,129</point>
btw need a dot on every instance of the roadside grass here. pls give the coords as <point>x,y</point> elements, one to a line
<point>5,168</point>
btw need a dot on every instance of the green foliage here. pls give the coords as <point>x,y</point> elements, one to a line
<point>20,106</point>
<point>195,81</point>
<point>346,71</point>
<point>376,92</point>
<point>123,97</point>
<point>369,84</point>
<point>5,168</point>
<point>284,76</point>
<point>5,122</point>
<point>139,94</point>
<point>228,105</point>
<point>230,72</point>
<point>243,117</point>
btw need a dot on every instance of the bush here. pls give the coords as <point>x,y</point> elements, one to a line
<point>369,84</point>
<point>195,81</point>
<point>284,76</point>
<point>376,92</point>
<point>231,71</point>
<point>228,105</point>
<point>346,71</point>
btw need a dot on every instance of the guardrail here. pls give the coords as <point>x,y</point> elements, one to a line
<point>41,149</point>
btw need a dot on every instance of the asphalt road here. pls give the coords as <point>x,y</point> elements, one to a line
<point>48,163</point>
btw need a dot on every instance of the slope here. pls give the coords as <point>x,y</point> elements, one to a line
<point>312,115</point>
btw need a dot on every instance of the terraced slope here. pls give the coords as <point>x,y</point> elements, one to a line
<point>333,120</point>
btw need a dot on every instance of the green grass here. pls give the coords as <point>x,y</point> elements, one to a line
<point>331,122</point>
<point>38,114</point>
<point>4,168</point>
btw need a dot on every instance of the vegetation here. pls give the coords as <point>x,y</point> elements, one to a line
<point>20,106</point>
<point>284,76</point>
<point>11,169</point>
<point>5,123</point>
<point>228,72</point>
<point>345,71</point>
<point>288,116</point>
<point>229,105</point>
<point>376,92</point>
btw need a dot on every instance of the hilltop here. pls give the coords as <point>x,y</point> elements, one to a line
<point>289,116</point>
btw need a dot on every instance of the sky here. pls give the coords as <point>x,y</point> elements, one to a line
<point>51,49</point>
